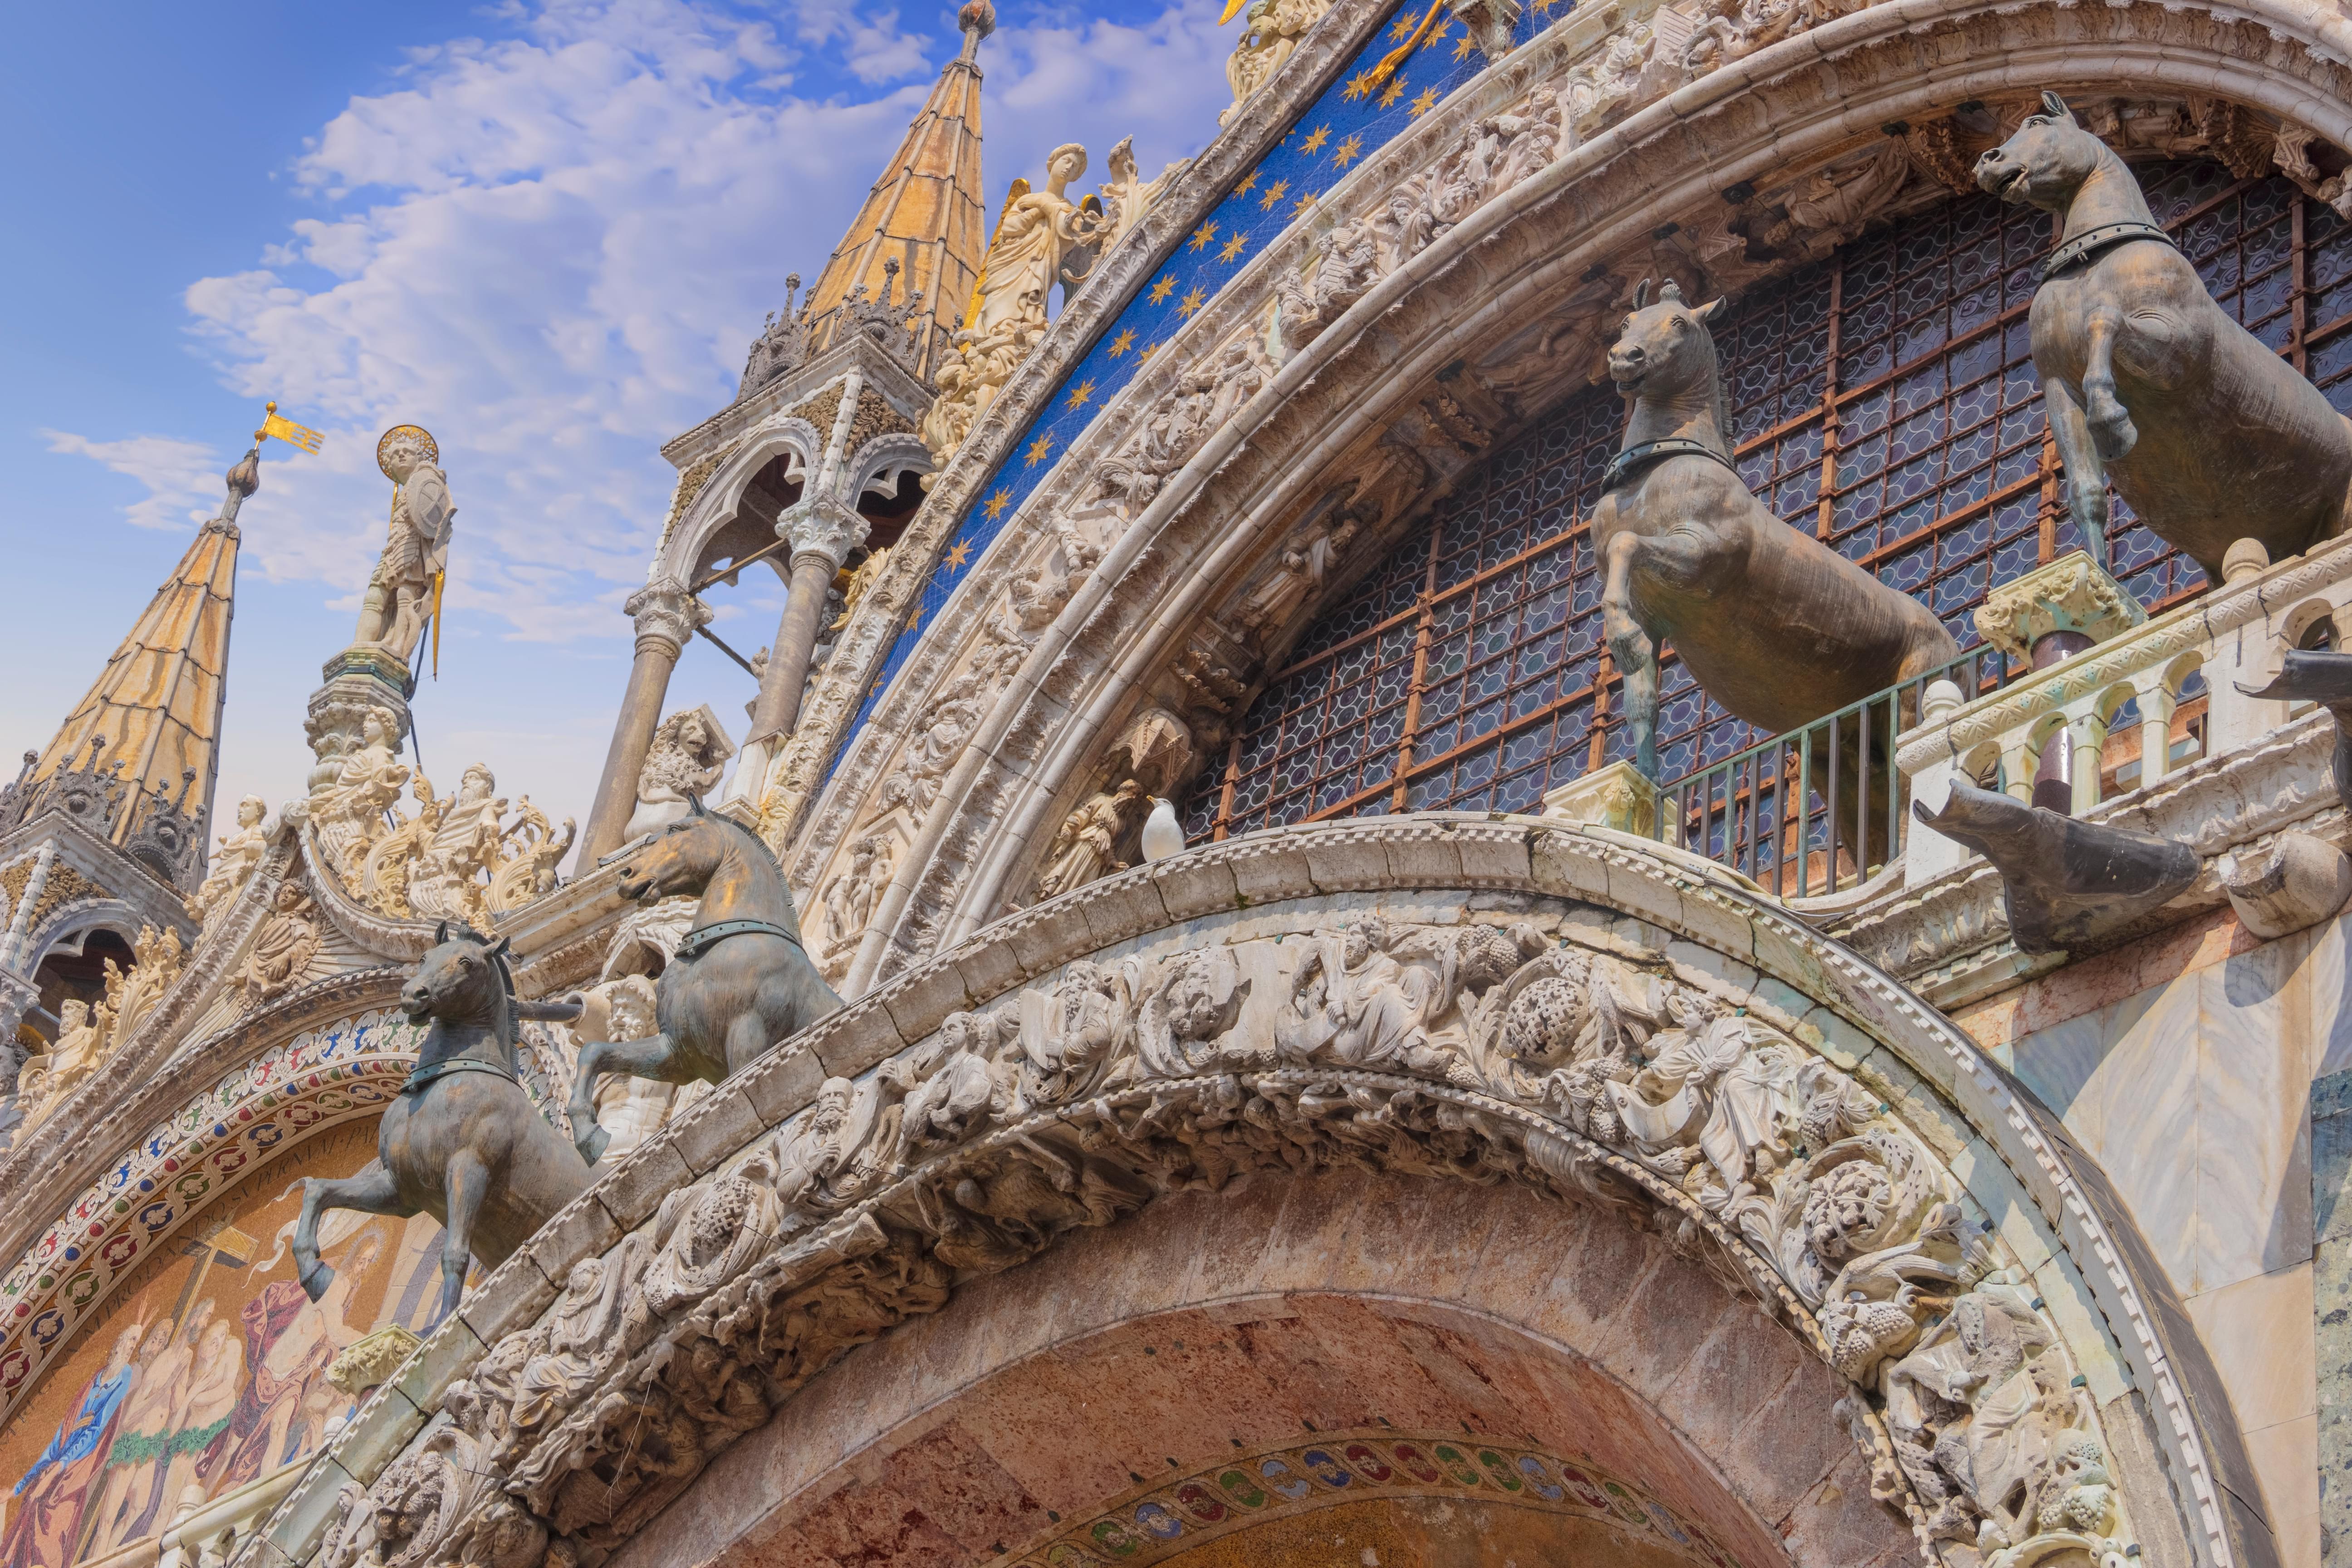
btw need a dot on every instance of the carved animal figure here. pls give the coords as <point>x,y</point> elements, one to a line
<point>2066,884</point>
<point>2209,436</point>
<point>1778,627</point>
<point>462,1142</point>
<point>741,980</point>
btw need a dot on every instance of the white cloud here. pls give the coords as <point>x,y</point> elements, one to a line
<point>183,478</point>
<point>551,249</point>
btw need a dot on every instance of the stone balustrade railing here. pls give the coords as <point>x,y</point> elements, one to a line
<point>2139,676</point>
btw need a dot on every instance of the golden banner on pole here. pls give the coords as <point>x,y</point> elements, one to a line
<point>286,430</point>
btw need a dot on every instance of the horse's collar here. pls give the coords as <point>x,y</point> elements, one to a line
<point>2091,241</point>
<point>703,938</point>
<point>1623,465</point>
<point>425,1073</point>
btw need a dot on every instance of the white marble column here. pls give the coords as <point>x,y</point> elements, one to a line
<point>665,615</point>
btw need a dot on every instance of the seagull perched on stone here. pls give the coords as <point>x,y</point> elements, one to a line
<point>1162,835</point>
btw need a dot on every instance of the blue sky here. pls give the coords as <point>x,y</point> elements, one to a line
<point>546,232</point>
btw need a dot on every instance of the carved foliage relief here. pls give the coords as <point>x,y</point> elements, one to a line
<point>1538,1049</point>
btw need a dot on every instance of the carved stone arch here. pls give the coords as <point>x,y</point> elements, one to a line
<point>893,450</point>
<point>714,504</point>
<point>72,925</point>
<point>1794,105</point>
<point>1434,1000</point>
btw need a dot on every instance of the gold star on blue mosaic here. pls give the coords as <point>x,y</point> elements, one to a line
<point>1124,341</point>
<point>1274,192</point>
<point>1192,300</point>
<point>1402,28</point>
<point>1080,394</point>
<point>1037,450</point>
<point>1302,203</point>
<point>997,503</point>
<point>955,558</point>
<point>1348,152</point>
<point>1462,50</point>
<point>1423,102</point>
<point>1204,235</point>
<point>1358,86</point>
<point>1161,289</point>
<point>1246,187</point>
<point>1234,247</point>
<point>1315,139</point>
<point>1394,90</point>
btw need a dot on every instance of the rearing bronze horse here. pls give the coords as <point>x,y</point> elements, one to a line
<point>2209,436</point>
<point>740,981</point>
<point>462,1142</point>
<point>1777,627</point>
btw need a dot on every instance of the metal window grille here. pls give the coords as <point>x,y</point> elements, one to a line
<point>1883,398</point>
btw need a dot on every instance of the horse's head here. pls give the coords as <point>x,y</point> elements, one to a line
<point>461,976</point>
<point>2046,161</point>
<point>1665,348</point>
<point>680,858</point>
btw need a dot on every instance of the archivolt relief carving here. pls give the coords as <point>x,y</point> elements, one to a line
<point>1484,1052</point>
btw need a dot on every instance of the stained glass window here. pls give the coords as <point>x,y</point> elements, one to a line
<point>1883,398</point>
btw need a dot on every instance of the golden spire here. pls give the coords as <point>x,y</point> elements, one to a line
<point>154,712</point>
<point>924,211</point>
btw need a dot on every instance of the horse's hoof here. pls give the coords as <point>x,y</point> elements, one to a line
<point>2114,438</point>
<point>315,1280</point>
<point>592,1147</point>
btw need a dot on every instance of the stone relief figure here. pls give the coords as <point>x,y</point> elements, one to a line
<point>1367,994</point>
<point>1597,90</point>
<point>1084,849</point>
<point>159,958</point>
<point>232,863</point>
<point>688,756</point>
<point>347,813</point>
<point>282,949</point>
<point>400,593</point>
<point>445,876</point>
<point>1344,270</point>
<point>453,860</point>
<point>1298,577</point>
<point>1068,1035</point>
<point>1127,196</point>
<point>849,898</point>
<point>1271,33</point>
<point>2210,435</point>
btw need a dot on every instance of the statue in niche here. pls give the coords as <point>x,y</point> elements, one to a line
<point>850,897</point>
<point>232,863</point>
<point>401,593</point>
<point>688,756</point>
<point>2210,435</point>
<point>283,948</point>
<point>1084,849</point>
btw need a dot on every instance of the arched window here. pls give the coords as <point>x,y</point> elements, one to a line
<point>1883,398</point>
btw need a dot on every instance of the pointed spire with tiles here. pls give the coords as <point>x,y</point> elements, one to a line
<point>923,215</point>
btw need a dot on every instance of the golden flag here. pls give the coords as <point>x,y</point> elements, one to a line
<point>1231,8</point>
<point>286,430</point>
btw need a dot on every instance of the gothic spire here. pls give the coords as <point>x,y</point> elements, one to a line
<point>151,721</point>
<point>924,212</point>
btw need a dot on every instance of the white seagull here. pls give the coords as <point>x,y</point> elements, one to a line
<point>1162,835</point>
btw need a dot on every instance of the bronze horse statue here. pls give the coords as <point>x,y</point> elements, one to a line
<point>462,1142</point>
<point>740,980</point>
<point>1777,627</point>
<point>2209,435</point>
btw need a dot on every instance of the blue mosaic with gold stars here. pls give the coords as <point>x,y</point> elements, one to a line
<point>1353,119</point>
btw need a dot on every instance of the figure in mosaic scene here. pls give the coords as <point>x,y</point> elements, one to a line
<point>2208,433</point>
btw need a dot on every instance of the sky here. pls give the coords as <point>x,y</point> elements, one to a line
<point>546,231</point>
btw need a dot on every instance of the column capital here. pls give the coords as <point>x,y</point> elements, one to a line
<point>819,525</point>
<point>665,612</point>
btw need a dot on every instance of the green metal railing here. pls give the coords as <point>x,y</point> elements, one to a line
<point>1815,810</point>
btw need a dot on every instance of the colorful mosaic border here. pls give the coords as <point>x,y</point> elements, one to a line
<point>1350,121</point>
<point>318,1079</point>
<point>1346,1467</point>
